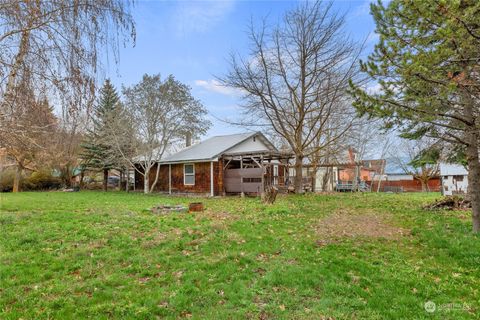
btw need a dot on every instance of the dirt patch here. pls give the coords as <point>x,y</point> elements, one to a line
<point>216,216</point>
<point>346,225</point>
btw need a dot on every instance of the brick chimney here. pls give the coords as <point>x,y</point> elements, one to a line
<point>188,139</point>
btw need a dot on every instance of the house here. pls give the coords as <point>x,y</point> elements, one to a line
<point>454,179</point>
<point>396,179</point>
<point>237,163</point>
<point>343,174</point>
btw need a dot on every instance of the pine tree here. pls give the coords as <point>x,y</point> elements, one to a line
<point>427,67</point>
<point>98,153</point>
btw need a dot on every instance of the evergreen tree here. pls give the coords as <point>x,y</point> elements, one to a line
<point>427,66</point>
<point>98,153</point>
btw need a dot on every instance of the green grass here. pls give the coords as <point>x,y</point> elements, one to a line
<point>105,256</point>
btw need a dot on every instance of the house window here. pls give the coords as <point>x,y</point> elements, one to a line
<point>275,174</point>
<point>189,174</point>
<point>458,178</point>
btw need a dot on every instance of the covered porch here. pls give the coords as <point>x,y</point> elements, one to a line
<point>253,172</point>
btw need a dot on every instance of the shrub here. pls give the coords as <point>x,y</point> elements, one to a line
<point>41,180</point>
<point>6,180</point>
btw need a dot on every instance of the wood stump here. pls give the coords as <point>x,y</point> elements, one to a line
<point>195,207</point>
<point>270,195</point>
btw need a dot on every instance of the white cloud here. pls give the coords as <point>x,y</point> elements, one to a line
<point>372,38</point>
<point>374,89</point>
<point>215,86</point>
<point>200,16</point>
<point>362,9</point>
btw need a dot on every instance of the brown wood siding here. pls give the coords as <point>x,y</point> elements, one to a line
<point>202,178</point>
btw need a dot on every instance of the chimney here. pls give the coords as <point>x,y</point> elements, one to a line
<point>188,139</point>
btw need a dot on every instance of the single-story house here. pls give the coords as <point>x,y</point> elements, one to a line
<point>454,179</point>
<point>237,163</point>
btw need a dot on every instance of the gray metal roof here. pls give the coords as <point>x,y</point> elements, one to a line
<point>213,147</point>
<point>451,169</point>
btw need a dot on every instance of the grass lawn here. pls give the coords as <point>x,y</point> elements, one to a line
<point>362,256</point>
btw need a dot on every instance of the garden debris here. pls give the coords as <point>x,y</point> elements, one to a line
<point>344,225</point>
<point>166,209</point>
<point>450,203</point>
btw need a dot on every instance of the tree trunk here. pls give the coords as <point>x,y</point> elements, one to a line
<point>298,174</point>
<point>424,185</point>
<point>154,184</point>
<point>313,177</point>
<point>17,177</point>
<point>474,178</point>
<point>127,179</point>
<point>105,179</point>
<point>67,176</point>
<point>146,181</point>
<point>473,161</point>
<point>82,176</point>
<point>120,182</point>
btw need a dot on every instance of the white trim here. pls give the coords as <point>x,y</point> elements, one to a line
<point>212,190</point>
<point>190,174</point>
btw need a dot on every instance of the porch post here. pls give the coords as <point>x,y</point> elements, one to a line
<point>242,194</point>
<point>212,190</point>
<point>169,178</point>
<point>263,177</point>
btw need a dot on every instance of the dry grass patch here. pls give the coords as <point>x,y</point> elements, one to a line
<point>346,224</point>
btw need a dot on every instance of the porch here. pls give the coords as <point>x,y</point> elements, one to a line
<point>252,173</point>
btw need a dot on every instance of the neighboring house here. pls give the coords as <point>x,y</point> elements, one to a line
<point>341,174</point>
<point>454,179</point>
<point>396,180</point>
<point>237,163</point>
<point>325,179</point>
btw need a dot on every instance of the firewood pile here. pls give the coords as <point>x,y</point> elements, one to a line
<point>450,203</point>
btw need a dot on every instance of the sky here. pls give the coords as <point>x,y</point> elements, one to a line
<point>192,40</point>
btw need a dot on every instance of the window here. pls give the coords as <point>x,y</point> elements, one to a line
<point>275,175</point>
<point>189,174</point>
<point>458,178</point>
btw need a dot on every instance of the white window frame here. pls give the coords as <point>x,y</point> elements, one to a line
<point>275,174</point>
<point>189,174</point>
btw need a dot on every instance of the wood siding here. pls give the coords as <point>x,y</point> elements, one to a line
<point>202,178</point>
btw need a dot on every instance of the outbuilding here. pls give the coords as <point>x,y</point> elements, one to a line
<point>454,179</point>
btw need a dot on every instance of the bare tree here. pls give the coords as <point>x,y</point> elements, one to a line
<point>160,113</point>
<point>418,158</point>
<point>27,147</point>
<point>330,145</point>
<point>296,77</point>
<point>53,48</point>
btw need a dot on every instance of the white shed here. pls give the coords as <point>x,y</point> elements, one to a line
<point>454,179</point>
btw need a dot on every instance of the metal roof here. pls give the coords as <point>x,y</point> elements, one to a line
<point>450,169</point>
<point>214,147</point>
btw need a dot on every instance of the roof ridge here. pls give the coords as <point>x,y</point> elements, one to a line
<point>232,134</point>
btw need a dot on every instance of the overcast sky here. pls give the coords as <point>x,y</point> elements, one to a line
<point>192,40</point>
